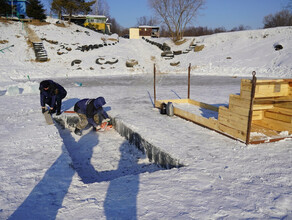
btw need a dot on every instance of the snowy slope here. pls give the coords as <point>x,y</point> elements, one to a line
<point>233,54</point>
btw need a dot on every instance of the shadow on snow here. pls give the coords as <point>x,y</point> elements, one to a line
<point>47,197</point>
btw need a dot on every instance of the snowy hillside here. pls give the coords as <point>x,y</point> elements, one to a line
<point>232,54</point>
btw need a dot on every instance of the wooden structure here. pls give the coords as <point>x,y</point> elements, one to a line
<point>95,22</point>
<point>144,31</point>
<point>261,113</point>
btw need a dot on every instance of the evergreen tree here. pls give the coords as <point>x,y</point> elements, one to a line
<point>35,10</point>
<point>5,8</point>
<point>71,7</point>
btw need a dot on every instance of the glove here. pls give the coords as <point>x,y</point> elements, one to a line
<point>43,110</point>
<point>52,111</point>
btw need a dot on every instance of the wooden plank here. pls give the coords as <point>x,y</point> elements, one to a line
<point>239,110</point>
<point>278,116</point>
<point>48,118</point>
<point>270,140</point>
<point>262,106</point>
<point>232,119</point>
<point>274,125</point>
<point>257,115</point>
<point>236,124</point>
<point>190,101</point>
<point>282,111</point>
<point>174,101</point>
<point>245,94</point>
<point>272,81</point>
<point>157,104</point>
<point>239,101</point>
<point>271,100</point>
<point>271,90</point>
<point>232,132</point>
<point>287,105</point>
<point>210,123</point>
<point>265,131</point>
<point>203,105</point>
<point>266,88</point>
<point>245,85</point>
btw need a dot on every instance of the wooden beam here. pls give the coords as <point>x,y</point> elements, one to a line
<point>232,119</point>
<point>203,105</point>
<point>274,124</point>
<point>278,116</point>
<point>232,132</point>
<point>257,115</point>
<point>210,123</point>
<point>282,111</point>
<point>239,110</point>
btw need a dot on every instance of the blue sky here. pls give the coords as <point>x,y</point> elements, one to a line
<point>216,13</point>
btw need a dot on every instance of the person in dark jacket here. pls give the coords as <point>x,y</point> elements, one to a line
<point>90,111</point>
<point>51,93</point>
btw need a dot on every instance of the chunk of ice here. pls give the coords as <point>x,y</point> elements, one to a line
<point>12,90</point>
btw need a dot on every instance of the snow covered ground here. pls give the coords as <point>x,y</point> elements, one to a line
<point>50,173</point>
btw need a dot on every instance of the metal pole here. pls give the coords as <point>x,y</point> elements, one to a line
<point>254,80</point>
<point>189,79</point>
<point>11,9</point>
<point>154,85</point>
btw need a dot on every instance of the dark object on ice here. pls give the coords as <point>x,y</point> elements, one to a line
<point>112,62</point>
<point>278,47</point>
<point>131,63</point>
<point>77,132</point>
<point>163,109</point>
<point>97,61</point>
<point>75,62</point>
<point>175,63</point>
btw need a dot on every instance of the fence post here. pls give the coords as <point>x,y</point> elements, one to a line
<point>154,84</point>
<point>253,85</point>
<point>189,79</point>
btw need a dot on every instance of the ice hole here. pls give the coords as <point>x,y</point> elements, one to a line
<point>143,156</point>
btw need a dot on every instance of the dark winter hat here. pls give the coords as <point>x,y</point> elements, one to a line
<point>99,102</point>
<point>45,83</point>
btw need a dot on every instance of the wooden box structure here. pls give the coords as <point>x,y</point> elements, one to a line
<point>261,113</point>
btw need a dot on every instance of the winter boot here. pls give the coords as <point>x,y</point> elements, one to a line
<point>77,132</point>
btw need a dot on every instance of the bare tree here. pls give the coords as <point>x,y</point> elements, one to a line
<point>101,8</point>
<point>289,5</point>
<point>282,18</point>
<point>176,14</point>
<point>146,21</point>
<point>240,28</point>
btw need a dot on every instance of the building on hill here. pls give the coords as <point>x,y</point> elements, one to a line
<point>19,8</point>
<point>95,22</point>
<point>144,31</point>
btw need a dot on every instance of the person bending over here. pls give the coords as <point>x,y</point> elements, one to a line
<point>51,93</point>
<point>90,111</point>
